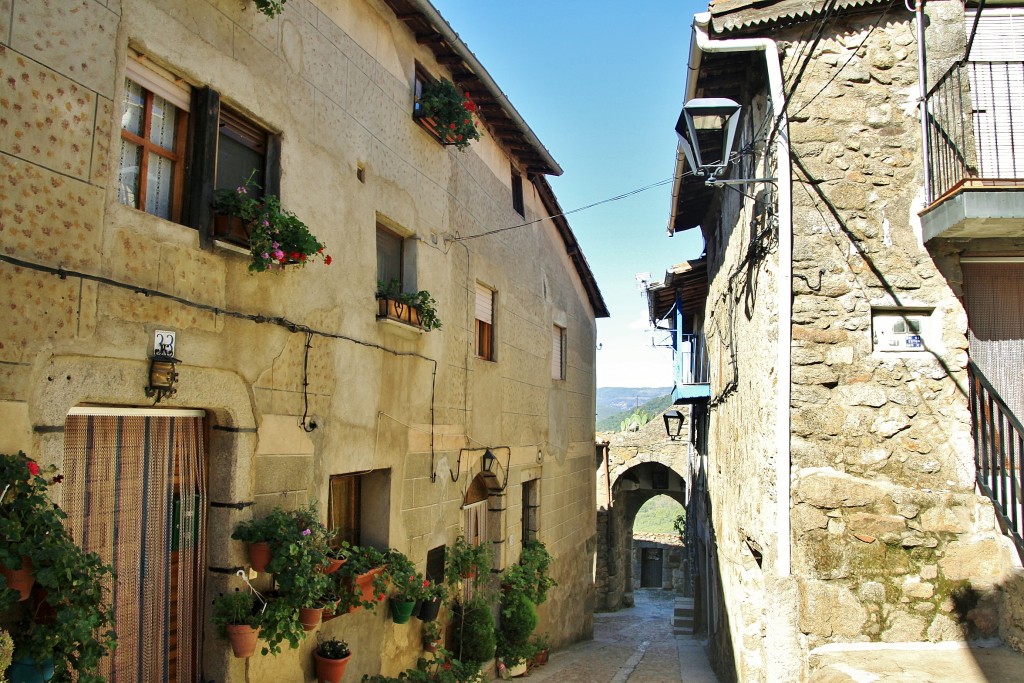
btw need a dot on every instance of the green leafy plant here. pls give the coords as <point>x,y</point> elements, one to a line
<point>235,609</point>
<point>73,624</point>
<point>442,668</point>
<point>270,7</point>
<point>6,651</point>
<point>332,648</point>
<point>465,560</point>
<point>518,619</point>
<point>424,304</point>
<point>276,236</point>
<point>452,112</point>
<point>360,560</point>
<point>434,591</point>
<point>679,524</point>
<point>298,553</point>
<point>474,634</point>
<point>431,632</point>
<point>530,574</point>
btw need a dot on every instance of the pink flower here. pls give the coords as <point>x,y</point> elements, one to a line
<point>306,532</point>
<point>242,190</point>
<point>266,224</point>
<point>275,245</point>
<point>277,254</point>
<point>265,256</point>
<point>33,468</point>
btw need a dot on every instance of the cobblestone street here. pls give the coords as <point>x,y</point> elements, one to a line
<point>633,645</point>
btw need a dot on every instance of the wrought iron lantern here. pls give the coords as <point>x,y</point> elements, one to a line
<point>163,375</point>
<point>705,118</point>
<point>676,417</point>
<point>488,460</point>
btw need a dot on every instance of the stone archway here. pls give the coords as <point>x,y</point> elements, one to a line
<point>635,467</point>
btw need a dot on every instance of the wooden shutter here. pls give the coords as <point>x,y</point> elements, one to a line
<point>557,352</point>
<point>484,304</point>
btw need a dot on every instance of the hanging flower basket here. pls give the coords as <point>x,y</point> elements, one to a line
<point>447,113</point>
<point>243,639</point>
<point>310,617</point>
<point>28,670</point>
<point>401,610</point>
<point>259,555</point>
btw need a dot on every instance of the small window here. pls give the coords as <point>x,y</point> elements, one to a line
<point>241,152</point>
<point>154,129</point>
<point>435,564</point>
<point>484,322</point>
<point>517,194</point>
<point>359,507</point>
<point>531,510</point>
<point>343,507</point>
<point>390,257</point>
<point>557,352</point>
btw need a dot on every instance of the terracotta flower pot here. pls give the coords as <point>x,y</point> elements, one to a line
<point>541,658</point>
<point>243,639</point>
<point>259,555</point>
<point>330,670</point>
<point>364,585</point>
<point>21,579</point>
<point>310,617</point>
<point>332,566</point>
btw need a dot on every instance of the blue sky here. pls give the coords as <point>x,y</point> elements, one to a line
<point>601,84</point>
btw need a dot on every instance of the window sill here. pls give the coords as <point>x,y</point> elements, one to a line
<point>228,246</point>
<point>401,329</point>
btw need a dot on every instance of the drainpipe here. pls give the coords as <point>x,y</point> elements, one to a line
<point>922,67</point>
<point>700,44</point>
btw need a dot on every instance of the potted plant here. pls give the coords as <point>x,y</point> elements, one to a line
<point>415,308</point>
<point>237,618</point>
<point>447,113</point>
<point>541,648</point>
<point>261,533</point>
<point>361,581</point>
<point>431,636</point>
<point>270,7</point>
<point>530,575</point>
<point>518,619</point>
<point>332,657</point>
<point>275,236</point>
<point>407,583</point>
<point>68,630</point>
<point>432,596</point>
<point>465,560</point>
<point>473,634</point>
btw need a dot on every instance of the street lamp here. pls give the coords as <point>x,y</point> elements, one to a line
<point>703,118</point>
<point>677,417</point>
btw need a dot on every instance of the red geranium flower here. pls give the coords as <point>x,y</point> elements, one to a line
<point>327,260</point>
<point>33,468</point>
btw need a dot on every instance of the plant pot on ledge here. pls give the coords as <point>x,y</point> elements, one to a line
<point>393,309</point>
<point>20,579</point>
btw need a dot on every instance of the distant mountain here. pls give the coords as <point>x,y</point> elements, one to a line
<point>654,407</point>
<point>613,400</point>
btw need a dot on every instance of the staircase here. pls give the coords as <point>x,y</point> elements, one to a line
<point>682,617</point>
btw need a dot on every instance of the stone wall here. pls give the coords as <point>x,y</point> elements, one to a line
<point>887,533</point>
<point>335,80</point>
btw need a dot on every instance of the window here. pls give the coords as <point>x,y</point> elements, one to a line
<point>531,510</point>
<point>557,352</point>
<point>165,126</point>
<point>484,322</point>
<point>358,506</point>
<point>153,132</point>
<point>517,193</point>
<point>343,507</point>
<point>390,257</point>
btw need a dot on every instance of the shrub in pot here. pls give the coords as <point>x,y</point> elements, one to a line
<point>332,655</point>
<point>237,618</point>
<point>473,635</point>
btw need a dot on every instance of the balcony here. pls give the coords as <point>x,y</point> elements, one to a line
<point>692,371</point>
<point>976,152</point>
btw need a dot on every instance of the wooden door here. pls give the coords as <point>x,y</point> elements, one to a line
<point>650,567</point>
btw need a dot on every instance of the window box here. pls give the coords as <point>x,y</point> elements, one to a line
<point>393,309</point>
<point>231,229</point>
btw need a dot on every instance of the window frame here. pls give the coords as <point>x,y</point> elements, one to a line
<point>353,506</point>
<point>390,233</point>
<point>531,510</point>
<point>484,323</point>
<point>154,83</point>
<point>558,352</point>
<point>518,203</point>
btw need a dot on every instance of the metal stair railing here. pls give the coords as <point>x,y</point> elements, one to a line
<point>998,449</point>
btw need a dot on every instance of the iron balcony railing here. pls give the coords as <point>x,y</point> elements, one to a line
<point>692,360</point>
<point>975,124</point>
<point>998,448</point>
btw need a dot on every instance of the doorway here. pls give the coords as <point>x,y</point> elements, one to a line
<point>135,493</point>
<point>651,560</point>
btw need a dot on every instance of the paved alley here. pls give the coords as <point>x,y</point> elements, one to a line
<point>633,645</point>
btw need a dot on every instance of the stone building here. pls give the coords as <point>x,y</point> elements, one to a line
<point>632,468</point>
<point>290,387</point>
<point>861,276</point>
